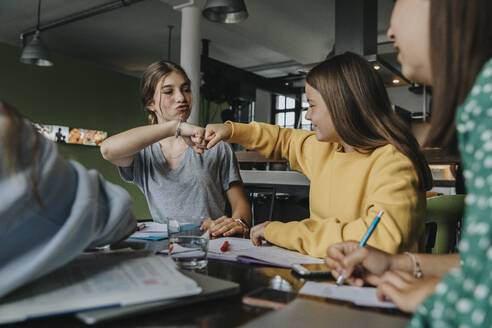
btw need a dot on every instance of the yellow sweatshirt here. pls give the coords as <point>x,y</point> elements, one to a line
<point>346,193</point>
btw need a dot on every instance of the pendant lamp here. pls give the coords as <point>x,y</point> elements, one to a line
<point>35,52</point>
<point>225,11</point>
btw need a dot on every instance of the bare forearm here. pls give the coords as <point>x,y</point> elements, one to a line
<point>431,265</point>
<point>243,211</point>
<point>239,203</point>
<point>130,142</point>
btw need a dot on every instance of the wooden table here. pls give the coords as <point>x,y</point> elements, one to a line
<point>254,160</point>
<point>224,312</point>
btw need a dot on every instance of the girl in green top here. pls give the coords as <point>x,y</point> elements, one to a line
<point>446,44</point>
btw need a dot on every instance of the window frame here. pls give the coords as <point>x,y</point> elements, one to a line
<point>298,110</point>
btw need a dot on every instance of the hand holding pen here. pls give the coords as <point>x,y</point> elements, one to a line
<point>345,257</point>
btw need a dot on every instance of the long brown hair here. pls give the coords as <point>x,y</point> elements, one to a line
<point>460,44</point>
<point>361,110</point>
<point>16,158</point>
<point>150,78</point>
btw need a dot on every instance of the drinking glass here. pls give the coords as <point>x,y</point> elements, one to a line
<point>188,245</point>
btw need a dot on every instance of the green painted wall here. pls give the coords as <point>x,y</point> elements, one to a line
<point>210,112</point>
<point>75,94</point>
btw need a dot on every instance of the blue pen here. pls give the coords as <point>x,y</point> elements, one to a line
<point>364,240</point>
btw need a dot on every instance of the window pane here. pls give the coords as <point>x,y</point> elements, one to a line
<point>290,118</point>
<point>251,111</point>
<point>305,103</point>
<point>280,119</point>
<point>280,102</point>
<point>306,127</point>
<point>291,103</point>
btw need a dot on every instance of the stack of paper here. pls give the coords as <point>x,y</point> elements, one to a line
<point>242,250</point>
<point>363,296</point>
<point>98,280</point>
<point>151,231</point>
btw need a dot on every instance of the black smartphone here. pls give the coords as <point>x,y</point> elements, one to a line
<point>268,298</point>
<point>312,271</point>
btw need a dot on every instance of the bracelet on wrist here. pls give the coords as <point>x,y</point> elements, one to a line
<point>417,269</point>
<point>243,222</point>
<point>178,131</point>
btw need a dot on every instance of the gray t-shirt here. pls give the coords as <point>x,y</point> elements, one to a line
<point>195,187</point>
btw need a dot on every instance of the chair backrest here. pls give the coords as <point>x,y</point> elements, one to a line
<point>442,216</point>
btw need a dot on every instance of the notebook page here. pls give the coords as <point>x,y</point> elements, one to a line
<point>267,253</point>
<point>363,296</point>
<point>154,227</point>
<point>281,256</point>
<point>95,280</point>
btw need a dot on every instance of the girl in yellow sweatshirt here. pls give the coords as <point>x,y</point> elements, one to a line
<point>360,159</point>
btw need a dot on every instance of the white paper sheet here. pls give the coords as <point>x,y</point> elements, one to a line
<point>96,280</point>
<point>235,244</point>
<point>154,227</point>
<point>151,231</point>
<point>268,253</point>
<point>363,296</point>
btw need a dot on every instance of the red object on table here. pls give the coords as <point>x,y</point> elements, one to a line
<point>225,246</point>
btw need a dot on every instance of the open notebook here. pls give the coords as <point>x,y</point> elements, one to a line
<point>242,250</point>
<point>101,280</point>
<point>212,288</point>
<point>361,296</point>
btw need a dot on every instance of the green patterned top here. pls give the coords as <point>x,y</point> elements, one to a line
<point>463,298</point>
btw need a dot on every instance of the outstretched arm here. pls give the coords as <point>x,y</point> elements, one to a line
<point>391,185</point>
<point>271,141</point>
<point>121,148</point>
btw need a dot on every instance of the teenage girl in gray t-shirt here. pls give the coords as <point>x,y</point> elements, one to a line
<point>175,179</point>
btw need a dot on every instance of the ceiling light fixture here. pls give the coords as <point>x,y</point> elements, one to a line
<point>377,67</point>
<point>225,11</point>
<point>35,52</point>
<point>396,81</point>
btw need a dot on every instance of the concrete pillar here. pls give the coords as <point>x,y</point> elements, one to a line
<point>263,106</point>
<point>191,41</point>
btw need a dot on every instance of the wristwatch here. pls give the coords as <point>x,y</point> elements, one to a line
<point>244,223</point>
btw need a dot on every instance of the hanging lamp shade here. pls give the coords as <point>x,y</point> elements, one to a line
<point>225,11</point>
<point>35,52</point>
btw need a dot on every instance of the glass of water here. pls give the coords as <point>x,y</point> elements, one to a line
<point>188,245</point>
